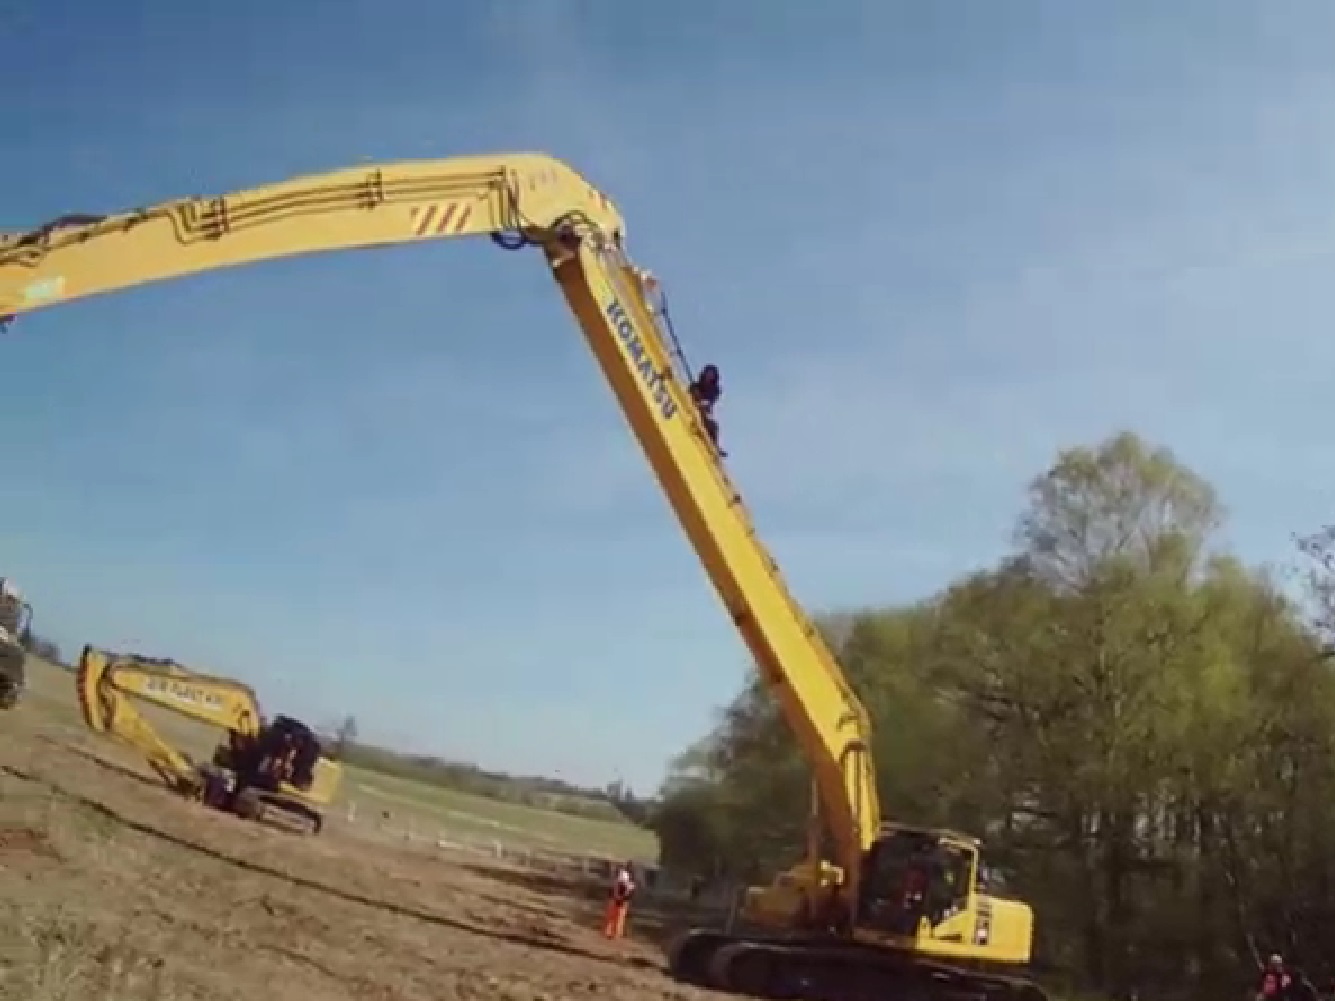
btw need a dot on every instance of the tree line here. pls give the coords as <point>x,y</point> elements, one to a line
<point>1139,725</point>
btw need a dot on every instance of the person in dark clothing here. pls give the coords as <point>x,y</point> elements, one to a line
<point>705,391</point>
<point>913,893</point>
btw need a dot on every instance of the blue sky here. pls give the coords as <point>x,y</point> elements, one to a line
<point>928,245</point>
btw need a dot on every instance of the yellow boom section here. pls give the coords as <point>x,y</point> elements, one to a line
<point>215,701</point>
<point>531,199</point>
<point>108,683</point>
<point>605,292</point>
<point>82,255</point>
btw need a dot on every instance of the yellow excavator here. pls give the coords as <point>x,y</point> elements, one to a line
<point>853,924</point>
<point>273,772</point>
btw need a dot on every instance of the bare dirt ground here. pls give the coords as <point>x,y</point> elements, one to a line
<point>112,888</point>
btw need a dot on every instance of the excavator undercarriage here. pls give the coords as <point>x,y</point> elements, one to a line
<point>834,967</point>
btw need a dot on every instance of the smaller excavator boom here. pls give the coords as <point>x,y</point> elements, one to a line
<point>263,770</point>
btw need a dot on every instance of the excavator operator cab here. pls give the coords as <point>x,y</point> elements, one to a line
<point>283,751</point>
<point>915,875</point>
<point>286,751</point>
<point>273,772</point>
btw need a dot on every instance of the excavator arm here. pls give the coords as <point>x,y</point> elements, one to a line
<point>79,255</point>
<point>519,200</point>
<point>109,684</point>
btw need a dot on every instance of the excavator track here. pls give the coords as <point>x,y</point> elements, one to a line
<point>276,810</point>
<point>832,969</point>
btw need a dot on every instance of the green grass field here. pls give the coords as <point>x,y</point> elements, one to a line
<point>466,815</point>
<point>430,810</point>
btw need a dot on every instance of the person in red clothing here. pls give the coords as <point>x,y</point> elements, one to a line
<point>618,902</point>
<point>1278,982</point>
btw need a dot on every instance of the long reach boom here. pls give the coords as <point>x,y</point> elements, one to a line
<point>532,200</point>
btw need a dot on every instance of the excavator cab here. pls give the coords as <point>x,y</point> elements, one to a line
<point>923,889</point>
<point>283,752</point>
<point>914,881</point>
<point>278,773</point>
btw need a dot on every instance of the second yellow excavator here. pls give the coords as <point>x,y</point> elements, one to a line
<point>272,771</point>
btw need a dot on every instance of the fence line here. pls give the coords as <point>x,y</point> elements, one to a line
<point>592,866</point>
<point>414,831</point>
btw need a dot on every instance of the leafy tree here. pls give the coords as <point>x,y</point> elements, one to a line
<point>1142,727</point>
<point>1121,501</point>
<point>1318,548</point>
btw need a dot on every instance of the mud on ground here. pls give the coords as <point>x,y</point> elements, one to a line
<point>111,888</point>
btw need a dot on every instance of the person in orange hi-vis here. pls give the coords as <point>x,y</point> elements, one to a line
<point>618,902</point>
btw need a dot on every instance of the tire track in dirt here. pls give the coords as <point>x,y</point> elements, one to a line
<point>205,907</point>
<point>546,939</point>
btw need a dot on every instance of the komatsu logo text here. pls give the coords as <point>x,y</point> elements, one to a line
<point>189,694</point>
<point>635,347</point>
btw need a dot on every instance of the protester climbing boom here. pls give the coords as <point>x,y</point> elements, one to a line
<point>941,943</point>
